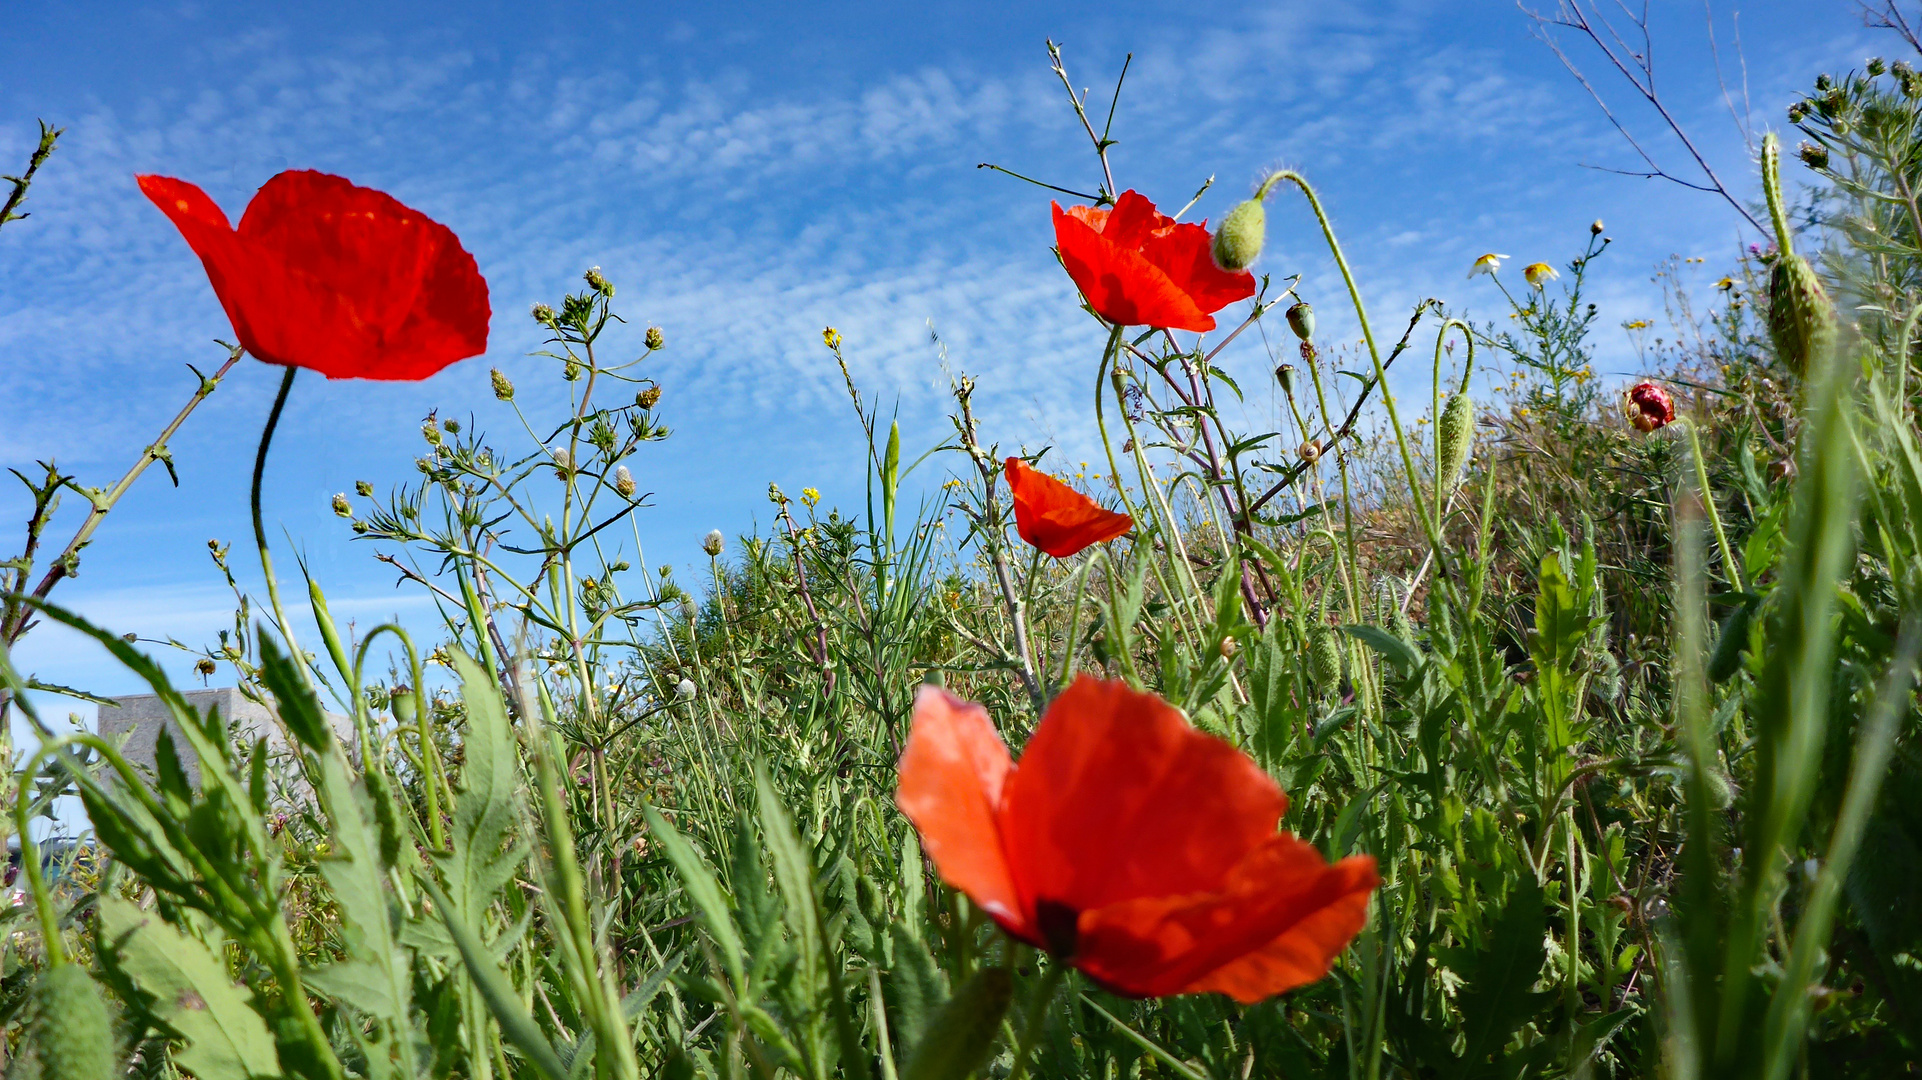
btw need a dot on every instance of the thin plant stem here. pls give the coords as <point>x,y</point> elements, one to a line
<point>260,529</point>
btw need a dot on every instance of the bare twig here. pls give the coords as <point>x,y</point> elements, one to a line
<point>1637,65</point>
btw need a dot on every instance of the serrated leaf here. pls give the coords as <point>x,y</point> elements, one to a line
<point>226,1039</point>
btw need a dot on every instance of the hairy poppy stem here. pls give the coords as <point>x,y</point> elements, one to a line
<point>260,530</point>
<point>1037,1013</point>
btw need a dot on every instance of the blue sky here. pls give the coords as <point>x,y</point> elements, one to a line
<point>746,175</point>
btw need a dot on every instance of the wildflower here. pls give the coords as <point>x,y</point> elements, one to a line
<point>430,431</point>
<point>542,314</point>
<point>596,282</point>
<point>342,507</point>
<point>1129,845</point>
<point>1596,228</point>
<point>810,497</point>
<point>1536,273</point>
<point>1055,517</point>
<point>654,339</point>
<point>364,489</point>
<point>648,398</point>
<point>713,543</point>
<point>503,390</point>
<point>1637,324</point>
<point>623,482</point>
<point>1137,267</point>
<point>1814,155</point>
<point>1489,264</point>
<point>1648,406</point>
<point>1725,284</point>
<point>342,279</point>
<point>831,337</point>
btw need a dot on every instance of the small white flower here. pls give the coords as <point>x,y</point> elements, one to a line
<point>685,691</point>
<point>562,459</point>
<point>1488,264</point>
<point>1536,273</point>
<point>713,543</point>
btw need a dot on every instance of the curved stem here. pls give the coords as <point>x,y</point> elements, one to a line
<point>1708,504</point>
<point>1772,192</point>
<point>30,858</point>
<point>260,530</point>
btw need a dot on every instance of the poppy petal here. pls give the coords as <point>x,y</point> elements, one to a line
<point>1120,284</point>
<point>1278,922</point>
<point>1133,221</point>
<point>1186,254</point>
<point>236,276</point>
<point>1117,797</point>
<point>952,775</point>
<point>1055,517</point>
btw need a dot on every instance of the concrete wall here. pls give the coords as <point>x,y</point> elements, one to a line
<point>140,718</point>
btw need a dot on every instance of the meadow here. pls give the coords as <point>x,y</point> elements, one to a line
<point>1569,732</point>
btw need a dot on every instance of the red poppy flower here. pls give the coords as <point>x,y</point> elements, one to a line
<point>342,279</point>
<point>1137,267</point>
<point>1130,845</point>
<point>1055,517</point>
<point>1649,407</point>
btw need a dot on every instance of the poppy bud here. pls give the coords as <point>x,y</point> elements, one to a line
<point>685,690</point>
<point>648,398</point>
<point>1324,656</point>
<point>654,339</point>
<point>1801,319</point>
<point>713,543</point>
<point>1649,407</point>
<point>72,1034</point>
<point>431,432</point>
<point>1457,429</point>
<point>1596,228</point>
<point>342,506</point>
<point>503,390</point>
<point>364,489</point>
<point>1238,241</point>
<point>960,1037</point>
<point>624,482</point>
<point>1310,451</point>
<point>596,282</point>
<point>543,314</point>
<point>1301,319</point>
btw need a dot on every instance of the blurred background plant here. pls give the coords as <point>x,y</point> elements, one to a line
<point>1620,703</point>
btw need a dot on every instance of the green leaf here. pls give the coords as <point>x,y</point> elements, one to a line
<point>1393,649</point>
<point>710,904</point>
<point>517,1026</point>
<point>1498,997</point>
<point>226,1039</point>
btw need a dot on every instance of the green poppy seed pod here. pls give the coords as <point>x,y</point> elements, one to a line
<point>503,390</point>
<point>960,1037</point>
<point>1285,375</point>
<point>654,339</point>
<point>1324,656</point>
<point>1301,319</point>
<point>1457,428</point>
<point>401,699</point>
<point>1239,238</point>
<point>72,1033</point>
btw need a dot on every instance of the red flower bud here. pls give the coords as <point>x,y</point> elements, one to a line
<point>1648,406</point>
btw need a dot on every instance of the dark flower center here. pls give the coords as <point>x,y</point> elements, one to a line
<point>1060,926</point>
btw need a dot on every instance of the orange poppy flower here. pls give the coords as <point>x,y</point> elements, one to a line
<point>1129,845</point>
<point>1055,517</point>
<point>1137,267</point>
<point>342,279</point>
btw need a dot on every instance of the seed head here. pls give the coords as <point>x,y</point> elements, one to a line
<point>364,489</point>
<point>1596,228</point>
<point>1876,67</point>
<point>648,398</point>
<point>654,339</point>
<point>596,282</point>
<point>451,426</point>
<point>206,667</point>
<point>543,314</point>
<point>431,432</point>
<point>685,690</point>
<point>1301,319</point>
<point>624,482</point>
<point>1813,155</point>
<point>342,507</point>
<point>713,543</point>
<point>1648,406</point>
<point>503,389</point>
<point>563,461</point>
<point>1285,375</point>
